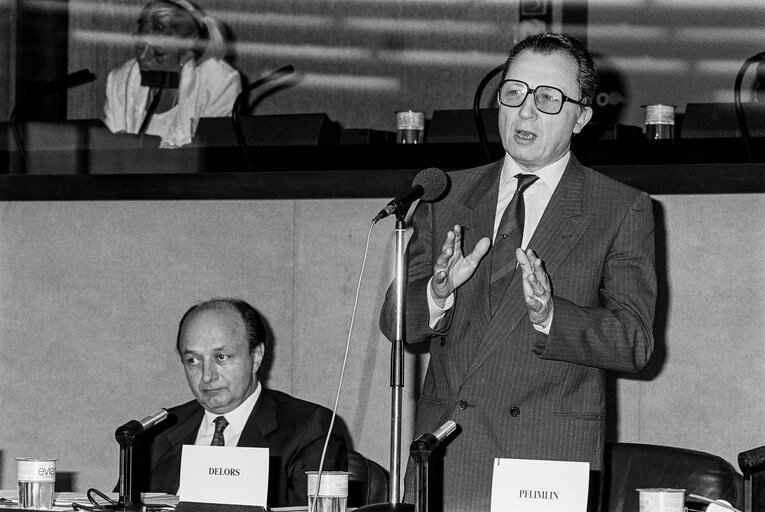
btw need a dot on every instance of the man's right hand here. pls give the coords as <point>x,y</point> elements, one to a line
<point>452,268</point>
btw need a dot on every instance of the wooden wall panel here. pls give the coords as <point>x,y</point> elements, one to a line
<point>91,293</point>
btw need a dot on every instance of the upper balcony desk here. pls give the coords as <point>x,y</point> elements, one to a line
<point>693,166</point>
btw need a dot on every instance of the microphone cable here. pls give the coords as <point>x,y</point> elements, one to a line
<point>342,370</point>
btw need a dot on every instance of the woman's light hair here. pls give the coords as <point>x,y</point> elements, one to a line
<point>211,42</point>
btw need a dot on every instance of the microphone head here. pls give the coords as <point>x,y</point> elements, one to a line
<point>78,78</point>
<point>433,181</point>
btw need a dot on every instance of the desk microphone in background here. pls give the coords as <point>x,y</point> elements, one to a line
<point>135,427</point>
<point>428,185</point>
<point>420,451</point>
<point>431,441</point>
<point>240,105</point>
<point>129,498</point>
<point>75,79</point>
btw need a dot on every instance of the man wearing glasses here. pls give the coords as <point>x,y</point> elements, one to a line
<point>530,278</point>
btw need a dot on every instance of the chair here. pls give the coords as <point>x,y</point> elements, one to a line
<point>741,118</point>
<point>367,481</point>
<point>631,466</point>
<point>752,464</point>
<point>477,117</point>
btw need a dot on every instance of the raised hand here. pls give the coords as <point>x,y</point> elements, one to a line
<point>452,267</point>
<point>537,289</point>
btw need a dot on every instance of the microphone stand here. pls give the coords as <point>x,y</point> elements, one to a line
<point>740,117</point>
<point>396,379</point>
<point>125,436</point>
<point>420,452</point>
<point>75,79</point>
<point>241,101</point>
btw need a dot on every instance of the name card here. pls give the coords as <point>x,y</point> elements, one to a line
<point>230,475</point>
<point>523,485</point>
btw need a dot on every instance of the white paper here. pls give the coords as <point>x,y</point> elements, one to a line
<point>224,474</point>
<point>523,485</point>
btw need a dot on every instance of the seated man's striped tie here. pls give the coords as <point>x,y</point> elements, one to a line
<point>220,426</point>
<point>509,237</point>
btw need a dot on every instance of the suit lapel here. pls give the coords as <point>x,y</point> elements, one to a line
<point>482,205</point>
<point>564,220</point>
<point>186,432</point>
<point>561,225</point>
<point>262,421</point>
<point>167,467</point>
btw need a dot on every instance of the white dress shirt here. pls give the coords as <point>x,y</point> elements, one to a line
<point>536,198</point>
<point>236,422</point>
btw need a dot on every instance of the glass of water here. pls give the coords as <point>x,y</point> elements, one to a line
<point>36,478</point>
<point>332,493</point>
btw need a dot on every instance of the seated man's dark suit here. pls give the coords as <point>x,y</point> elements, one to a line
<point>293,430</point>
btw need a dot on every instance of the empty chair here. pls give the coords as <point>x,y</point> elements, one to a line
<point>367,481</point>
<point>752,464</point>
<point>631,466</point>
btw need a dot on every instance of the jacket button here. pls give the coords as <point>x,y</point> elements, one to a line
<point>515,411</point>
<point>462,404</point>
<point>442,341</point>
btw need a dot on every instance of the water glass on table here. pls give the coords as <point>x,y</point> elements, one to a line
<point>36,478</point>
<point>333,491</point>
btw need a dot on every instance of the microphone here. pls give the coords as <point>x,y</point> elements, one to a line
<point>75,79</point>
<point>159,79</point>
<point>428,185</point>
<point>432,441</point>
<point>135,427</point>
<point>241,101</point>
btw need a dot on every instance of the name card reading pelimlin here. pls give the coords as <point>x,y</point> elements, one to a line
<point>224,474</point>
<point>523,485</point>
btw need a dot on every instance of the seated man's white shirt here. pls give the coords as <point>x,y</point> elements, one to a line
<point>237,419</point>
<point>536,198</point>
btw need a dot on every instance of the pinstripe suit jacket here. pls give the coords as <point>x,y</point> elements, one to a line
<point>513,391</point>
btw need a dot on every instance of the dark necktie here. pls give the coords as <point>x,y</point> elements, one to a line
<point>509,237</point>
<point>220,426</point>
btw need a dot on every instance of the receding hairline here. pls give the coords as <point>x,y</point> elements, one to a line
<point>223,305</point>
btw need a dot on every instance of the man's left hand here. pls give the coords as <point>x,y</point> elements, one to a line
<point>536,288</point>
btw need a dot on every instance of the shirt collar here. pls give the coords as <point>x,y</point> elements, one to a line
<point>236,418</point>
<point>549,175</point>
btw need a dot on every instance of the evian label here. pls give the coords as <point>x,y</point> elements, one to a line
<point>410,120</point>
<point>662,500</point>
<point>660,114</point>
<point>36,470</point>
<point>333,483</point>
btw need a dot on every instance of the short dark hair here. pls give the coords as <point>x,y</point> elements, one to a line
<point>548,43</point>
<point>255,327</point>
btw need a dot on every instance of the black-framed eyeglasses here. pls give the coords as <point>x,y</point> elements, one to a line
<point>548,99</point>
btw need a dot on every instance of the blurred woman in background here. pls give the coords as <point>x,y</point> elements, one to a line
<point>177,76</point>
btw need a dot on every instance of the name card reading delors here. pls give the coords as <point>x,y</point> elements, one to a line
<point>224,474</point>
<point>523,485</point>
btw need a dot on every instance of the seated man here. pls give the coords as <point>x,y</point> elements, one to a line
<point>221,343</point>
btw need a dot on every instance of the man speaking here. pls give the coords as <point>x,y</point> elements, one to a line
<point>221,343</point>
<point>529,279</point>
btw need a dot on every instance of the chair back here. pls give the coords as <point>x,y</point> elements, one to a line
<point>752,464</point>
<point>477,117</point>
<point>367,481</point>
<point>631,466</point>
